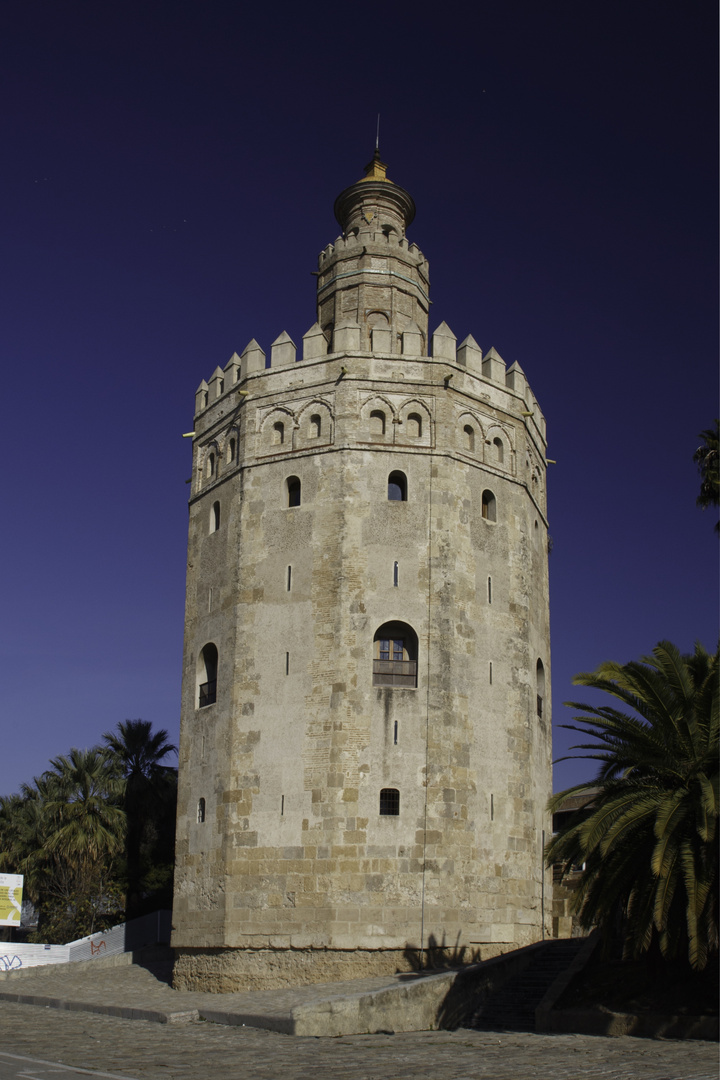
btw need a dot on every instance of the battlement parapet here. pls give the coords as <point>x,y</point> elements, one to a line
<point>390,239</point>
<point>468,356</point>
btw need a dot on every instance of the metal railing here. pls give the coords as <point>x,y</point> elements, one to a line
<point>208,694</point>
<point>395,673</point>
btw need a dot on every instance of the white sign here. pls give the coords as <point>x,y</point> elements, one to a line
<point>11,887</point>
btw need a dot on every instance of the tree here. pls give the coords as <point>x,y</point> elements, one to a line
<point>64,833</point>
<point>706,459</point>
<point>149,802</point>
<point>649,840</point>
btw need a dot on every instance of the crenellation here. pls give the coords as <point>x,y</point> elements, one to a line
<point>232,371</point>
<point>201,397</point>
<point>444,344</point>
<point>469,356</point>
<point>217,384</point>
<point>315,343</point>
<point>282,351</point>
<point>493,366</point>
<point>252,360</point>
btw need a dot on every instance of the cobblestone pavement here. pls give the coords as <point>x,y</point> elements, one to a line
<point>140,1050</point>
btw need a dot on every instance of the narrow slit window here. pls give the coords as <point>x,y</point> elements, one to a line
<point>215,517</point>
<point>540,687</point>
<point>289,578</point>
<point>489,590</point>
<point>395,729</point>
<point>492,807</point>
<point>201,811</point>
<point>207,676</point>
<point>396,574</point>
<point>294,490</point>
<point>390,802</point>
<point>287,663</point>
<point>489,506</point>
<point>491,672</point>
<point>282,805</point>
<point>231,452</point>
<point>210,466</point>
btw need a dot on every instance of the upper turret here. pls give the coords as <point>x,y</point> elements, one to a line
<point>359,207</point>
<point>371,278</point>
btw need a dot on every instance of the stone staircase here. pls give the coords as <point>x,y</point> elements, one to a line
<point>512,1007</point>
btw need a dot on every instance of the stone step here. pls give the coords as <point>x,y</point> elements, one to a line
<point>513,1006</point>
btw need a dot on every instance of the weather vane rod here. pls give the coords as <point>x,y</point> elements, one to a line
<point>377,136</point>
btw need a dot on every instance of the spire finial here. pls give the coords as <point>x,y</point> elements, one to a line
<point>377,138</point>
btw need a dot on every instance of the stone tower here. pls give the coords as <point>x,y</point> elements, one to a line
<point>365,736</point>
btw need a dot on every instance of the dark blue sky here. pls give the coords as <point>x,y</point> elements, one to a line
<point>168,176</point>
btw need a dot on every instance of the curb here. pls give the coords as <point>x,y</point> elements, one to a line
<point>126,1012</point>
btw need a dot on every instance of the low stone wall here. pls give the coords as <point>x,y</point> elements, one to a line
<point>224,971</point>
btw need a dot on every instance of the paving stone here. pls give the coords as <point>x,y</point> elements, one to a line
<point>144,1051</point>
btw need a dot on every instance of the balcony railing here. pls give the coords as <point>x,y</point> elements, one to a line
<point>208,694</point>
<point>395,673</point>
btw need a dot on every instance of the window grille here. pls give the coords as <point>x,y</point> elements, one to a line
<point>390,802</point>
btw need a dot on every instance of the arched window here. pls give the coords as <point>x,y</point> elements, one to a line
<point>315,426</point>
<point>231,451</point>
<point>294,489</point>
<point>201,811</point>
<point>469,439</point>
<point>489,506</point>
<point>207,676</point>
<point>499,451</point>
<point>210,466</point>
<point>397,487</point>
<point>540,685</point>
<point>278,433</point>
<point>215,517</point>
<point>377,423</point>
<point>414,426</point>
<point>395,649</point>
<point>390,801</point>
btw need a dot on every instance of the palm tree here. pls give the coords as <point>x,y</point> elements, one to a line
<point>150,791</point>
<point>706,459</point>
<point>648,841</point>
<point>64,834</point>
